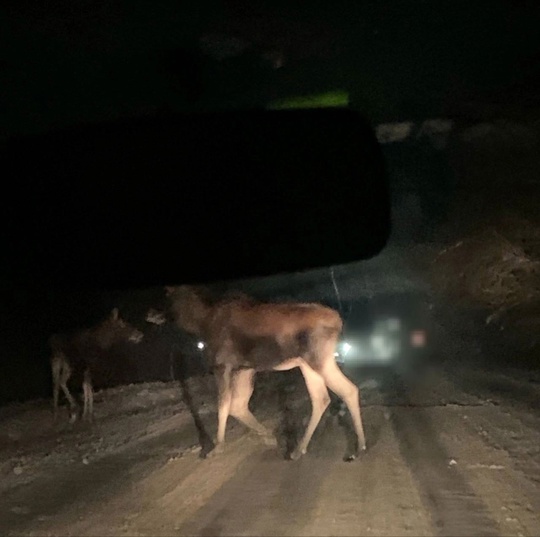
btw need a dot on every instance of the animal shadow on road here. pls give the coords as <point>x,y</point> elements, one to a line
<point>294,408</point>
<point>205,440</point>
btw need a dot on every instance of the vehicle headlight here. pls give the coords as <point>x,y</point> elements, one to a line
<point>381,347</point>
<point>378,343</point>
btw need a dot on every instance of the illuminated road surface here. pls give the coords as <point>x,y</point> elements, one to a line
<point>442,460</point>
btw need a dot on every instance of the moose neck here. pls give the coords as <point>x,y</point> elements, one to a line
<point>191,312</point>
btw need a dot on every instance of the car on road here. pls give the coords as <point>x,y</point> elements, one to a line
<point>384,331</point>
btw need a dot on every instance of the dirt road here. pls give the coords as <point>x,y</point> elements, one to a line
<point>441,460</point>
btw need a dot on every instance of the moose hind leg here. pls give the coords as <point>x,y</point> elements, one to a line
<point>88,392</point>
<point>242,390</point>
<point>56,368</point>
<point>350,394</point>
<point>320,399</point>
<point>56,393</point>
<point>223,375</point>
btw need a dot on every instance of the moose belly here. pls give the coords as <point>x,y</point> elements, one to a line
<point>264,353</point>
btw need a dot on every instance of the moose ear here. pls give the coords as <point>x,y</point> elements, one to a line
<point>114,314</point>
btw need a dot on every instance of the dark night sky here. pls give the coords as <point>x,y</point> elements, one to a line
<point>64,62</point>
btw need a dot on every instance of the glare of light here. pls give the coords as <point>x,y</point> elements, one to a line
<point>336,354</point>
<point>418,338</point>
<point>378,342</point>
<point>346,348</point>
<point>381,347</point>
<point>200,345</point>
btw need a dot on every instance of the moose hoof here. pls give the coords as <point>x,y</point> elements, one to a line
<point>269,440</point>
<point>354,456</point>
<point>296,454</point>
<point>217,450</point>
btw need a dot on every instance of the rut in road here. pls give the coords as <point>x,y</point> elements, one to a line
<point>454,507</point>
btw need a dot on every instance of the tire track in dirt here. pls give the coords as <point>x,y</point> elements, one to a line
<point>403,485</point>
<point>320,494</point>
<point>270,495</point>
<point>517,428</point>
<point>267,496</point>
<point>455,509</point>
<point>376,495</point>
<point>513,501</point>
<point>197,483</point>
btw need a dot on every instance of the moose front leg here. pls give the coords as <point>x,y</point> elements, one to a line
<point>73,407</point>
<point>88,391</point>
<point>242,390</point>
